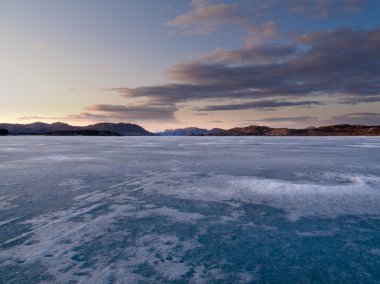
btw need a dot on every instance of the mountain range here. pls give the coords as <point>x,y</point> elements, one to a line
<point>333,130</point>
<point>129,129</point>
<point>59,128</point>
<point>189,131</point>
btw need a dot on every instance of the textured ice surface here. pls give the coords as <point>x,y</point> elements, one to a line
<point>189,210</point>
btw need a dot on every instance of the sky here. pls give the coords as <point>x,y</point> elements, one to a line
<point>206,63</point>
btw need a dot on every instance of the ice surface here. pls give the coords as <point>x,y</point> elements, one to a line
<point>189,210</point>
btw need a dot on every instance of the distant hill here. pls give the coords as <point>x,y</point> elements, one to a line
<point>189,131</point>
<point>85,132</point>
<point>40,128</point>
<point>124,129</point>
<point>128,129</point>
<point>333,130</point>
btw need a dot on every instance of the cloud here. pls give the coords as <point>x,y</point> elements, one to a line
<point>325,8</point>
<point>135,112</point>
<point>366,118</point>
<point>36,118</point>
<point>178,93</point>
<point>252,55</point>
<point>270,70</point>
<point>259,105</point>
<point>358,100</point>
<point>107,112</point>
<point>79,116</point>
<point>205,17</point>
<point>341,64</point>
<point>259,34</point>
<point>302,119</point>
<point>363,118</point>
<point>88,116</point>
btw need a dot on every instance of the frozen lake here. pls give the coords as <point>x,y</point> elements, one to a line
<point>189,209</point>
